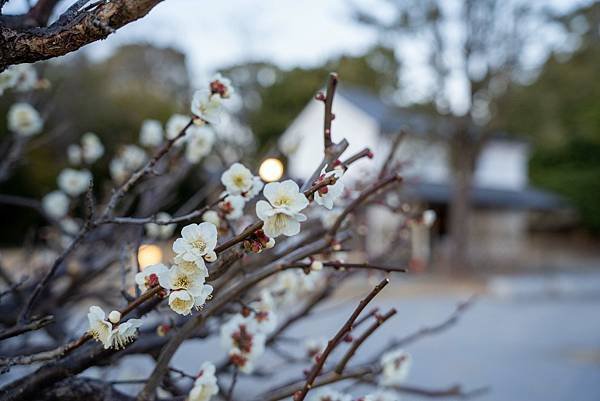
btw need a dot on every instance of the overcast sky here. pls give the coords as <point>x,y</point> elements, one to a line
<point>217,33</point>
<point>214,34</point>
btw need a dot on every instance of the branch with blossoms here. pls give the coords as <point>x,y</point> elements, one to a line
<point>245,261</point>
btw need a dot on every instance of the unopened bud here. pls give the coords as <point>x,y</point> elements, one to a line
<point>210,257</point>
<point>114,316</point>
<point>162,330</point>
<point>316,265</point>
<point>270,243</point>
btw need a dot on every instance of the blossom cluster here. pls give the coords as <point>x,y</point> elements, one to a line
<point>111,332</point>
<point>205,385</point>
<point>280,208</point>
<point>244,335</point>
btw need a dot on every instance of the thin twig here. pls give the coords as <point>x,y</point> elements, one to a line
<point>379,320</point>
<point>332,344</point>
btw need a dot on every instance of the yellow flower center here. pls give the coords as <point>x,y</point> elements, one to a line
<point>199,244</point>
<point>179,304</point>
<point>239,180</point>
<point>283,201</point>
<point>99,332</point>
<point>182,281</point>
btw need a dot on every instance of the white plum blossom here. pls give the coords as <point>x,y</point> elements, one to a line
<point>263,316</point>
<point>179,278</point>
<point>27,77</point>
<point>176,124</point>
<point>232,207</point>
<point>148,277</point>
<point>221,86</point>
<point>118,172</point>
<point>243,341</point>
<point>199,141</point>
<point>195,266</point>
<point>24,120</point>
<point>325,196</point>
<point>196,240</point>
<point>211,216</point>
<point>74,154</point>
<point>257,186</point>
<point>181,302</point>
<point>206,107</point>
<point>100,328</point>
<point>133,156</point>
<point>8,79</point>
<point>237,179</point>
<point>103,331</point>
<point>125,333</point>
<point>289,285</point>
<point>160,231</point>
<point>91,147</point>
<point>205,386</point>
<point>69,226</point>
<point>395,367</point>
<point>21,77</point>
<point>74,182</point>
<point>188,288</point>
<point>151,133</point>
<point>281,215</point>
<point>327,394</point>
<point>90,150</point>
<point>56,204</point>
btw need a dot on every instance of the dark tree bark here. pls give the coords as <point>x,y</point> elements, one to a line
<point>71,31</point>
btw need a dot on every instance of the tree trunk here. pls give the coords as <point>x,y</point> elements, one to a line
<point>464,157</point>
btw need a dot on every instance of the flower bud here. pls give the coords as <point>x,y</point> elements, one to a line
<point>316,266</point>
<point>270,243</point>
<point>210,257</point>
<point>114,316</point>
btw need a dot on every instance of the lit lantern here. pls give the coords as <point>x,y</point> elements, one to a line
<point>271,170</point>
<point>149,255</point>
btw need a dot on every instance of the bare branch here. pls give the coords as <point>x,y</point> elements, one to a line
<point>34,44</point>
<point>346,328</point>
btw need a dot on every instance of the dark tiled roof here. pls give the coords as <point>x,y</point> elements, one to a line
<point>391,119</point>
<point>526,199</point>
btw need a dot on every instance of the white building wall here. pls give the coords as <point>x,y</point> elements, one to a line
<point>305,134</point>
<point>502,164</point>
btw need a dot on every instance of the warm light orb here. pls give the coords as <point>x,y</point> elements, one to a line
<point>149,255</point>
<point>271,170</point>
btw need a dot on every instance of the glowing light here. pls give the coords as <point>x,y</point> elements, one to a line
<point>271,170</point>
<point>149,255</point>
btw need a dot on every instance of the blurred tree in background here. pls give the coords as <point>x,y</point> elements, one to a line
<point>560,111</point>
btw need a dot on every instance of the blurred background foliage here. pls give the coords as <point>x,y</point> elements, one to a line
<point>273,97</point>
<point>560,113</point>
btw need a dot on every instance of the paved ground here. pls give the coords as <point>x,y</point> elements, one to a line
<point>528,338</point>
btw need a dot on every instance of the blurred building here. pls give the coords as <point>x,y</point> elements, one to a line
<point>513,225</point>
